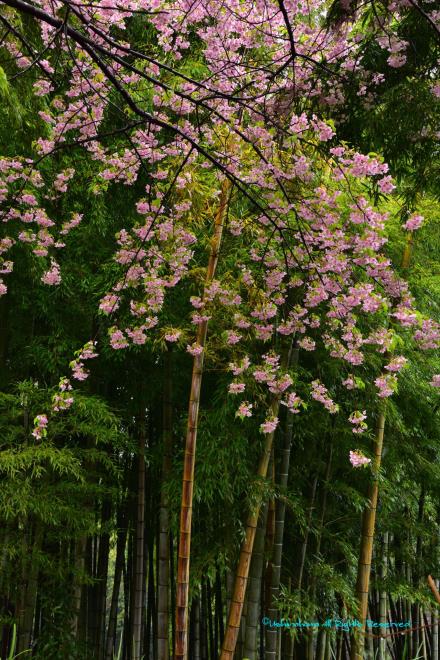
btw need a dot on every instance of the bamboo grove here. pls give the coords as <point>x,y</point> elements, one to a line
<point>219,330</point>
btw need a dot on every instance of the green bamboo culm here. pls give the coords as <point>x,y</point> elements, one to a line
<point>11,655</point>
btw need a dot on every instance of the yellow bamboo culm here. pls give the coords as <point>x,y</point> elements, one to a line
<point>183,561</point>
<point>242,572</point>
<point>367,539</point>
<point>434,589</point>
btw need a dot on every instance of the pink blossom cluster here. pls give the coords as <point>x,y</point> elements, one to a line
<point>413,223</point>
<point>40,424</point>
<point>87,352</point>
<point>386,384</point>
<point>269,425</point>
<point>63,399</point>
<point>306,244</point>
<point>244,410</point>
<point>358,459</point>
<point>320,393</point>
<point>357,419</point>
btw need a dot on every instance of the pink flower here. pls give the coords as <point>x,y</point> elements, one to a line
<point>236,388</point>
<point>117,339</point>
<point>269,425</point>
<point>357,419</point>
<point>239,369</point>
<point>357,459</point>
<point>435,382</point>
<point>52,277</point>
<point>292,402</point>
<point>386,184</point>
<point>78,371</point>
<point>232,337</point>
<point>195,349</point>
<point>137,335</point>
<point>413,223</point>
<point>386,385</point>
<point>261,376</point>
<point>173,336</point>
<point>320,393</point>
<point>29,199</point>
<point>307,344</point>
<point>350,382</point>
<point>61,401</point>
<point>278,386</point>
<point>64,385</point>
<point>244,410</point>
<point>40,424</point>
<point>396,60</point>
<point>396,364</point>
<point>142,207</point>
<point>109,303</point>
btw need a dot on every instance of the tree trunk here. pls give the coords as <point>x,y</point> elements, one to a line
<point>254,591</point>
<point>280,516</point>
<point>306,534</point>
<point>184,554</point>
<point>383,598</point>
<point>27,618</point>
<point>80,552</point>
<point>366,550</point>
<point>163,573</point>
<point>119,566</point>
<point>219,626</point>
<point>196,615</point>
<point>209,594</point>
<point>101,586</point>
<point>242,574</point>
<point>139,563</point>
<point>435,636</point>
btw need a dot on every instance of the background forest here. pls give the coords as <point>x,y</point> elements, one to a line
<point>220,221</point>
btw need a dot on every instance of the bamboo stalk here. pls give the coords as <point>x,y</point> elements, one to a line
<point>25,634</point>
<point>139,563</point>
<point>102,576</point>
<point>183,562</point>
<point>383,600</point>
<point>119,563</point>
<point>163,573</point>
<point>280,515</point>
<point>435,627</point>
<point>80,551</point>
<point>434,589</point>
<point>212,651</point>
<point>254,590</point>
<point>367,538</point>
<point>242,573</point>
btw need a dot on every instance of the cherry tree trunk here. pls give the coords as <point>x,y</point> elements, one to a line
<point>183,561</point>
